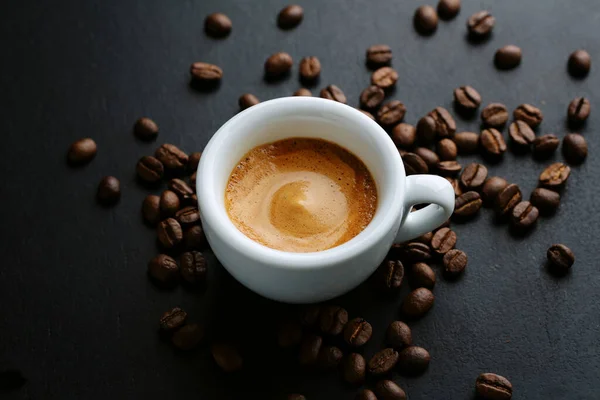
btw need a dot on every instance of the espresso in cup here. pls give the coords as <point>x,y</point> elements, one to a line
<point>300,195</point>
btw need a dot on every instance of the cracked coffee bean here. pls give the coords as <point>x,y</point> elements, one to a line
<point>578,110</point>
<point>171,157</point>
<point>560,257</point>
<point>544,146</point>
<point>521,134</point>
<point>467,98</point>
<point>187,216</point>
<point>390,275</point>
<point>205,73</point>
<point>492,142</point>
<point>384,77</point>
<point>467,204</point>
<point>391,113</point>
<point>332,320</point>
<point>481,24</point>
<point>493,387</point>
<point>310,68</point>
<point>164,270</point>
<point>494,115</point>
<point>445,126</point>
<point>443,241</point>
<point>334,93</point>
<point>184,191</point>
<point>555,176</point>
<point>455,262</point>
<point>193,267</point>
<point>415,251</point>
<point>448,168</point>
<point>507,199</point>
<point>149,169</point>
<point>371,97</point>
<point>383,362</point>
<point>524,215</point>
<point>379,54</point>
<point>473,176</point>
<point>357,332</point>
<point>413,164</point>
<point>529,114</point>
<point>172,319</point>
<point>169,233</point>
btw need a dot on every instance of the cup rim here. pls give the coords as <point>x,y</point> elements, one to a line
<point>280,259</point>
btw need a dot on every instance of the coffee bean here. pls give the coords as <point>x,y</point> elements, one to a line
<point>480,24</point>
<point>418,302</point>
<point>579,110</point>
<point>547,201</point>
<point>424,238</point>
<point>109,191</point>
<point>491,188</point>
<point>467,204</point>
<point>575,148</point>
<point>365,394</point>
<point>445,126</point>
<point>421,275</point>
<point>390,275</point>
<point>494,115</point>
<point>398,335</point>
<point>456,186</point>
<point>217,25</point>
<point>415,251</point>
<point>413,360</point>
<point>388,390</point>
<point>247,100</point>
<point>508,57</point>
<point>391,113</point>
<point>192,165</point>
<point>544,146</point>
<point>309,315</point>
<point>193,179</point>
<point>329,357</point>
<point>371,97</point>
<point>492,142</point>
<point>310,347</point>
<point>555,176</point>
<point>404,135</point>
<point>172,319</point>
<point>473,176</point>
<point>493,387</point>
<point>521,134</point>
<point>332,320</point>
<point>303,92</point>
<point>194,238</point>
<point>278,65</point>
<point>296,396</point>
<point>430,157</point>
<point>467,98</point>
<point>383,362</point>
<point>310,68</point>
<point>448,9</point>
<point>164,270</point>
<point>560,257</point>
<point>531,115</point>
<point>368,114</point>
<point>353,369</point>
<point>507,199</point>
<point>149,169</point>
<point>188,337</point>
<point>466,142</point>
<point>447,150</point>
<point>205,72</point>
<point>169,203</point>
<point>357,332</point>
<point>187,216</point>
<point>379,54</point>
<point>455,262</point>
<point>290,16</point>
<point>289,333</point>
<point>193,267</point>
<point>151,209</point>
<point>182,189</point>
<point>82,151</point>
<point>443,241</point>
<point>426,129</point>
<point>413,164</point>
<point>425,20</point>
<point>227,357</point>
<point>524,215</point>
<point>448,168</point>
<point>169,233</point>
<point>171,157</point>
<point>333,92</point>
<point>145,129</point>
<point>580,63</point>
<point>384,77</point>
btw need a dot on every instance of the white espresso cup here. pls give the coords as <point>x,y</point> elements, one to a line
<point>317,276</point>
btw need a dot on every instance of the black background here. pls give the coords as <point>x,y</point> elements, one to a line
<point>77,312</point>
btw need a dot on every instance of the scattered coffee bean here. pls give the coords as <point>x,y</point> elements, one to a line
<point>415,251</point>
<point>448,9</point>
<point>580,63</point>
<point>333,92</point>
<point>109,191</point>
<point>413,360</point>
<point>193,161</point>
<point>578,110</point>
<point>247,100</point>
<point>365,394</point>
<point>379,54</point>
<point>389,390</point>
<point>310,346</point>
<point>290,16</point>
<point>383,362</point>
<point>82,151</point>
<point>473,176</point>
<point>455,262</point>
<point>447,150</point>
<point>149,169</point>
<point>310,68</point>
<point>278,65</point>
<point>491,188</point>
<point>421,275</point>
<point>560,257</point>
<point>430,157</point>
<point>182,189</point>
<point>493,387</point>
<point>303,92</point>
<point>521,134</point>
<point>391,113</point>
<point>390,275</point>
<point>575,148</point>
<point>357,332</point>
<point>424,238</point>
<point>194,238</point>
<point>187,216</point>
<point>547,201</point>
<point>456,186</point>
<point>384,77</point>
<point>443,241</point>
<point>544,146</point>
<point>353,369</point>
<point>188,337</point>
<point>164,270</point>
<point>169,203</point>
<point>555,176</point>
<point>309,315</point>
<point>448,168</point>
<point>480,24</point>
<point>524,215</point>
<point>368,114</point>
<point>169,233</point>
<point>171,157</point>
<point>145,129</point>
<point>172,319</point>
<point>467,204</point>
<point>289,333</point>
<point>404,135</point>
<point>494,115</point>
<point>445,126</point>
<point>492,142</point>
<point>425,20</point>
<point>467,98</point>
<point>217,25</point>
<point>508,57</point>
<point>227,357</point>
<point>426,129</point>
<point>531,115</point>
<point>371,97</point>
<point>413,164</point>
<point>205,72</point>
<point>329,357</point>
<point>398,335</point>
<point>151,209</point>
<point>333,319</point>
<point>193,267</point>
<point>418,302</point>
<point>466,142</point>
<point>507,199</point>
<point>296,396</point>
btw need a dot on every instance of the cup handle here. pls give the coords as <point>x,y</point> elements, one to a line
<point>425,189</point>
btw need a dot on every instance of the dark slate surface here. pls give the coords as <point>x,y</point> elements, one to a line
<point>77,313</point>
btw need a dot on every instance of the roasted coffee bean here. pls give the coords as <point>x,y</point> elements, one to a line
<point>390,275</point>
<point>310,346</point>
<point>205,73</point>
<point>188,337</point>
<point>247,100</point>
<point>296,396</point>
<point>365,394</point>
<point>290,16</point>
<point>555,176</point>
<point>384,77</point>
<point>329,357</point>
<point>455,262</point>
<point>187,216</point>
<point>227,357</point>
<point>309,315</point>
<point>425,20</point>
<point>169,233</point>
<point>289,333</point>
<point>456,186</point>
<point>404,135</point>
<point>443,241</point>
<point>466,142</point>
<point>172,319</point>
<point>310,68</point>
<point>193,179</point>
<point>333,319</point>
<point>193,267</point>
<point>445,126</point>
<point>424,238</point>
<point>492,142</point>
<point>169,203</point>
<point>357,332</point>
<point>415,251</point>
<point>333,92</point>
<point>493,387</point>
<point>391,113</point>
<point>217,25</point>
<point>544,146</point>
<point>388,390</point>
<point>109,191</point>
<point>193,161</point>
<point>521,134</point>
<point>398,335</point>
<point>418,302</point>
<point>354,368</point>
<point>560,257</point>
<point>368,114</point>
<point>467,98</point>
<point>413,164</point>
<point>303,92</point>
<point>149,169</point>
<point>448,168</point>
<point>467,204</point>
<point>383,362</point>
<point>480,24</point>
<point>491,188</point>
<point>448,9</point>
<point>524,215</point>
<point>447,150</point>
<point>494,115</point>
<point>371,97</point>
<point>575,148</point>
<point>426,129</point>
<point>413,360</point>
<point>531,115</point>
<point>473,176</point>
<point>379,54</point>
<point>181,189</point>
<point>421,275</point>
<point>508,57</point>
<point>171,157</point>
<point>547,201</point>
<point>194,238</point>
<point>151,209</point>
<point>580,63</point>
<point>82,151</point>
<point>145,129</point>
<point>164,270</point>
<point>578,110</point>
<point>278,65</point>
<point>507,199</point>
<point>430,157</point>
